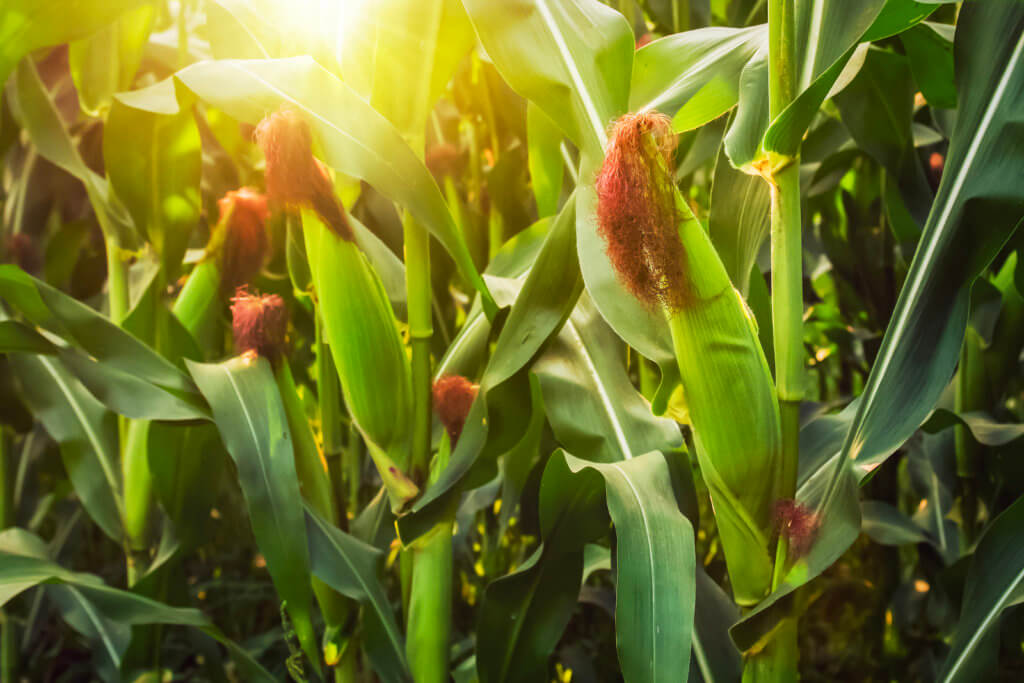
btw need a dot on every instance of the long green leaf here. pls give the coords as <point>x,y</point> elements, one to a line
<point>995,581</point>
<point>40,118</point>
<point>85,430</point>
<point>694,76</point>
<point>352,568</point>
<point>250,416</point>
<point>655,565</point>
<point>160,188</point>
<point>22,567</point>
<point>110,356</point>
<point>591,404</point>
<point>27,25</point>
<point>573,58</point>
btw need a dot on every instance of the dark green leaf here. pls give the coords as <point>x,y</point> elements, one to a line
<point>250,416</point>
<point>352,568</point>
<point>105,356</point>
<point>995,580</point>
<point>85,430</point>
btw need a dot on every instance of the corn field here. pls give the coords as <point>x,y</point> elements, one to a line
<point>511,341</point>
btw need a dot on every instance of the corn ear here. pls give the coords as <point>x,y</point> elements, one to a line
<point>733,410</point>
<point>368,352</point>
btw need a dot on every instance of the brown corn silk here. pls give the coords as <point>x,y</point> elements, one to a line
<point>453,397</point>
<point>242,245</point>
<point>293,175</point>
<point>637,213</point>
<point>260,324</point>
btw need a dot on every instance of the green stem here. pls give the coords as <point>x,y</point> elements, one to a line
<point>117,282</point>
<point>776,663</point>
<point>421,331</point>
<point>970,395</point>
<point>778,660</point>
<point>430,598</point>
<point>138,495</point>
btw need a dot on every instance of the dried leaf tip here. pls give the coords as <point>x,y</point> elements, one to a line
<point>260,324</point>
<point>243,218</point>
<point>293,175</point>
<point>637,214</point>
<point>799,523</point>
<point>453,397</point>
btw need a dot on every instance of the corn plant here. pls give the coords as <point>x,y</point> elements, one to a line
<point>511,340</point>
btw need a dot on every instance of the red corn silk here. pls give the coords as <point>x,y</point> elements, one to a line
<point>23,252</point>
<point>442,159</point>
<point>453,397</point>
<point>260,324</point>
<point>636,210</point>
<point>293,175</point>
<point>799,523</point>
<point>644,40</point>
<point>245,236</point>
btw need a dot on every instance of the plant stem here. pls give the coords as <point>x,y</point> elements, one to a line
<point>430,599</point>
<point>969,396</point>
<point>775,663</point>
<point>117,282</point>
<point>787,250</point>
<point>778,661</point>
<point>421,331</point>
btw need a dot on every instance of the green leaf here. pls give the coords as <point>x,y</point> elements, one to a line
<point>546,172</point>
<point>591,404</point>
<point>15,336</point>
<point>23,566</point>
<point>714,658</point>
<point>739,221</point>
<point>982,426</point>
<point>357,141</point>
<point>977,208</point>
<point>423,67</point>
<point>85,430</point>
<point>27,25</point>
<point>694,76</point>
<point>160,186</point>
<point>187,462</point>
<point>38,115</point>
<point>885,524</point>
<point>931,59</point>
<point>105,62</point>
<point>352,568</point>
<point>523,615</point>
<point>573,58</point>
<point>655,566</point>
<point>106,358</point>
<point>252,423</point>
<point>995,580</point>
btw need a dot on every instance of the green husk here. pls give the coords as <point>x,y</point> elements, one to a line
<point>733,410</point>
<point>368,352</point>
